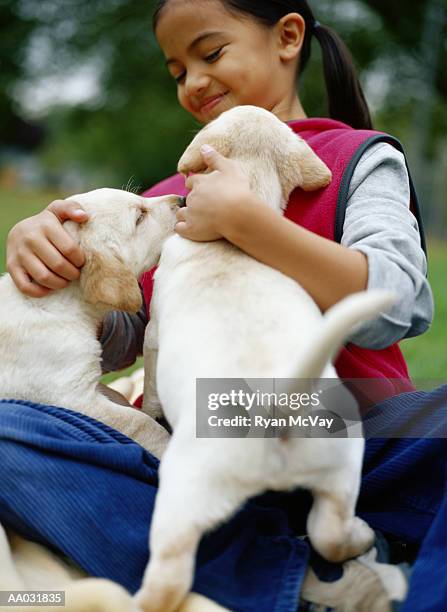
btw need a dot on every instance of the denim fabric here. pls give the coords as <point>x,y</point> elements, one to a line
<point>404,478</point>
<point>404,489</point>
<point>428,586</point>
<point>88,491</point>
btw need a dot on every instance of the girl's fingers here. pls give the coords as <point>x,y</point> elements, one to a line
<point>213,159</point>
<point>71,251</point>
<point>181,214</point>
<point>181,220</point>
<point>43,276</point>
<point>192,180</point>
<point>180,228</point>
<point>55,261</point>
<point>66,210</point>
<point>27,286</point>
<point>41,254</point>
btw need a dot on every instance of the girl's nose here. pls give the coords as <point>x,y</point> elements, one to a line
<point>196,83</point>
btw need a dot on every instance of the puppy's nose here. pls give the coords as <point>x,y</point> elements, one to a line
<point>182,201</point>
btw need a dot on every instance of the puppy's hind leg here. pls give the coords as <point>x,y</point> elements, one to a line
<point>151,403</point>
<point>129,421</point>
<point>334,530</point>
<point>189,502</point>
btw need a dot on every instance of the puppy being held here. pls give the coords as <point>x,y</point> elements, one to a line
<point>29,566</point>
<point>49,351</point>
<point>218,313</point>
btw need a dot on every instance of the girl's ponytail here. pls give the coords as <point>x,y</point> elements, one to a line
<point>346,101</point>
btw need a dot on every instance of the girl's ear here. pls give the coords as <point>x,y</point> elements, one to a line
<point>291,29</point>
<point>106,279</point>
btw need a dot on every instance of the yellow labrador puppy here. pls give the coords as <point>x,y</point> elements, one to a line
<point>49,352</point>
<point>27,566</point>
<point>241,318</point>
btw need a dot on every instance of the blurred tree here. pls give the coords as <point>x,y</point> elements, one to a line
<point>405,23</point>
<point>13,128</point>
<point>131,124</point>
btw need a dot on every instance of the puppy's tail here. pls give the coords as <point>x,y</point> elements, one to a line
<point>338,322</point>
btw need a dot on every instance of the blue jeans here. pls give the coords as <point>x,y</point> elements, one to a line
<point>88,491</point>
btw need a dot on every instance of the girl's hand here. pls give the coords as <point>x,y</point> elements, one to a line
<point>214,199</point>
<point>40,255</point>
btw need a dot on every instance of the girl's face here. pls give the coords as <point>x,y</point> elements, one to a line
<point>221,60</point>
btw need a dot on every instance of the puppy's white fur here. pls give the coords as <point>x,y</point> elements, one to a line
<point>49,352</point>
<point>218,313</point>
<point>29,566</point>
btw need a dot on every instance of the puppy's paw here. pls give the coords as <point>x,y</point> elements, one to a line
<point>353,539</point>
<point>99,595</point>
<point>153,600</point>
<point>360,538</point>
<point>166,583</point>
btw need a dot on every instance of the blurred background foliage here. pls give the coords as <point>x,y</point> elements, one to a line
<point>86,101</point>
<point>83,81</point>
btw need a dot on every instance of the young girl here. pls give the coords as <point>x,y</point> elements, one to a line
<point>359,232</point>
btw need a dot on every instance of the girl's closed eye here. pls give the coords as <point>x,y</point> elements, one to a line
<point>212,57</point>
<point>179,78</point>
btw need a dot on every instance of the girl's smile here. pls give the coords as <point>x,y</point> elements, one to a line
<point>222,59</point>
<point>211,102</point>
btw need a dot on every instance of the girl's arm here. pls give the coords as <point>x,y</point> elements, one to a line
<point>379,223</point>
<point>380,245</point>
<point>325,269</point>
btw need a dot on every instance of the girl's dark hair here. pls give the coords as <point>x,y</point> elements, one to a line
<point>346,101</point>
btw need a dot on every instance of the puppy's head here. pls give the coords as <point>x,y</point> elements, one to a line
<point>249,133</point>
<point>122,238</point>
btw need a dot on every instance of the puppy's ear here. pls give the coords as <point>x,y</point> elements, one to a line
<point>301,167</point>
<point>192,160</point>
<point>106,279</point>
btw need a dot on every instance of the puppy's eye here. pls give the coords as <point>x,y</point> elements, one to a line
<point>141,216</point>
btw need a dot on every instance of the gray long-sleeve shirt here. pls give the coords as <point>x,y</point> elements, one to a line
<point>379,223</point>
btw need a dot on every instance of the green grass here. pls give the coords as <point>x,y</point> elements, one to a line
<point>426,355</point>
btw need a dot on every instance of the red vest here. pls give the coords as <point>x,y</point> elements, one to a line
<point>323,212</point>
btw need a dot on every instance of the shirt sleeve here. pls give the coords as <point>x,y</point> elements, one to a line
<point>380,224</point>
<point>122,338</point>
